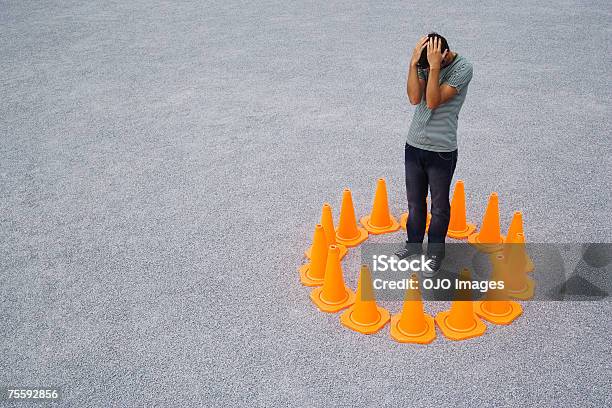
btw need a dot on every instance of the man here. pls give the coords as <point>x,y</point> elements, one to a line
<point>437,83</point>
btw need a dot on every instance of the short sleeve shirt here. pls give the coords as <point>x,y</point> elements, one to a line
<point>436,130</point>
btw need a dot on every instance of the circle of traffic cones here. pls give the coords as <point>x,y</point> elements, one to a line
<point>460,322</point>
<point>496,308</point>
<point>413,325</point>
<point>404,218</point>
<point>520,285</point>
<point>380,220</point>
<point>458,226</point>
<point>312,273</point>
<point>333,296</point>
<point>348,232</point>
<point>489,238</point>
<point>327,221</point>
<point>365,316</point>
<point>515,228</point>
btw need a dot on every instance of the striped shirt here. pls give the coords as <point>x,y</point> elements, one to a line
<point>436,130</point>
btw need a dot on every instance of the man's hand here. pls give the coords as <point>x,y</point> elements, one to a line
<point>434,55</point>
<point>416,54</point>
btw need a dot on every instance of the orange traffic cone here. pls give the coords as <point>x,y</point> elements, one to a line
<point>365,316</point>
<point>489,238</point>
<point>412,325</point>
<point>496,307</point>
<point>380,221</point>
<point>348,233</point>
<point>460,322</point>
<point>330,233</point>
<point>404,218</point>
<point>520,285</point>
<point>516,227</point>
<point>312,273</point>
<point>458,227</point>
<point>333,296</point>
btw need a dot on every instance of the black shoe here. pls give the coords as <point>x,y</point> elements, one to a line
<point>435,262</point>
<point>407,252</point>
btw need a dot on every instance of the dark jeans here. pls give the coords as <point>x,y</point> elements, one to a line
<point>435,170</point>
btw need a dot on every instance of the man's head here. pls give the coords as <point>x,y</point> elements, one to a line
<point>423,63</point>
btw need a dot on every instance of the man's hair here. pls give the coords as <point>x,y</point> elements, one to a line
<point>423,63</point>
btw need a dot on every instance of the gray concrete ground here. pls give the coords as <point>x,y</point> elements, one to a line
<point>162,165</point>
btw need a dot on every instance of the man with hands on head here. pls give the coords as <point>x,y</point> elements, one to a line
<point>437,83</point>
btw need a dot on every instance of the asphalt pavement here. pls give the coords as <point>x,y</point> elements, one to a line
<point>163,164</point>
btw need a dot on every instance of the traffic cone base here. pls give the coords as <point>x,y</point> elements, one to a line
<point>353,241</point>
<point>331,307</point>
<point>469,230</point>
<point>487,247</point>
<point>342,248</point>
<point>478,328</point>
<point>513,310</point>
<point>365,221</point>
<point>525,293</point>
<point>348,320</point>
<point>308,280</point>
<point>365,316</point>
<point>404,221</point>
<point>496,307</point>
<point>425,337</point>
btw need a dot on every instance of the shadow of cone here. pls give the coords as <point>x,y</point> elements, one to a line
<point>404,218</point>
<point>365,316</point>
<point>520,285</point>
<point>312,273</point>
<point>412,325</point>
<point>330,233</point>
<point>348,232</point>
<point>333,296</point>
<point>489,238</point>
<point>515,228</point>
<point>380,221</point>
<point>460,322</point>
<point>458,226</point>
<point>496,308</point>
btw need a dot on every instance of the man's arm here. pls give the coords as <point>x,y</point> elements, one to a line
<point>414,85</point>
<point>436,94</point>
